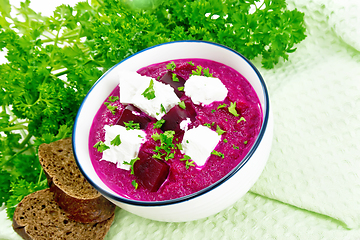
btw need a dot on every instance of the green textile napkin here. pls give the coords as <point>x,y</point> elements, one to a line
<point>310,188</point>
<point>314,163</point>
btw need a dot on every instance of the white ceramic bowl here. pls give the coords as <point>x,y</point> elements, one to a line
<point>212,199</point>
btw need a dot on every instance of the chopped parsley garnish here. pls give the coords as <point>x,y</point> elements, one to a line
<point>245,142</point>
<point>131,125</point>
<point>187,163</point>
<point>213,110</point>
<point>166,147</point>
<point>219,154</point>
<point>162,109</point>
<point>225,140</point>
<point>101,146</point>
<point>191,63</point>
<point>179,146</point>
<point>171,66</point>
<point>174,77</point>
<point>169,156</point>
<point>113,98</point>
<point>116,141</point>
<point>186,157</point>
<point>222,105</point>
<point>241,119</point>
<point>111,108</point>
<point>207,73</point>
<point>207,125</point>
<point>180,88</point>
<point>182,104</point>
<point>232,109</point>
<point>198,71</point>
<point>140,136</point>
<point>135,184</point>
<point>219,131</point>
<point>159,123</point>
<point>131,163</point>
<point>201,71</point>
<point>149,92</point>
<point>235,147</point>
<point>155,136</point>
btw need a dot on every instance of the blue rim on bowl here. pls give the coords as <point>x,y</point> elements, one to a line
<point>205,190</point>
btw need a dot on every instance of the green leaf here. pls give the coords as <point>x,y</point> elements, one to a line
<point>5,8</point>
<point>111,108</point>
<point>188,163</point>
<point>113,98</point>
<point>20,189</point>
<point>242,119</point>
<point>232,109</point>
<point>159,123</point>
<point>166,147</point>
<point>171,66</point>
<point>182,104</point>
<point>149,92</point>
<point>135,184</point>
<point>174,77</point>
<point>131,125</point>
<point>156,136</point>
<point>101,146</point>
<point>116,141</point>
<point>186,157</point>
<point>5,180</point>
<point>219,154</point>
<point>143,4</point>
<point>222,105</point>
<point>198,71</point>
<point>131,163</point>
<point>219,131</point>
<point>162,108</point>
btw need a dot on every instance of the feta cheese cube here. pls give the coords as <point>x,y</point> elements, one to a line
<point>132,85</point>
<point>205,90</point>
<point>127,150</point>
<point>198,143</point>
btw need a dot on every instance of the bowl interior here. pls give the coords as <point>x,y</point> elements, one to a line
<point>164,52</point>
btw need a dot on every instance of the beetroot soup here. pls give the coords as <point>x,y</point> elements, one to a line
<point>151,149</point>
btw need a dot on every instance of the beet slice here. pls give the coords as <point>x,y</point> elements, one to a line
<point>168,79</point>
<point>176,115</point>
<point>132,113</point>
<point>150,172</point>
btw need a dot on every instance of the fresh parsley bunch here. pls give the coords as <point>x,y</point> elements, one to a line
<point>53,62</point>
<point>268,30</point>
<point>48,73</point>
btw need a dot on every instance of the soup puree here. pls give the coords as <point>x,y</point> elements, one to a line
<point>237,121</point>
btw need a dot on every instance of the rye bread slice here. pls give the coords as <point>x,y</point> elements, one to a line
<point>39,217</point>
<point>72,192</point>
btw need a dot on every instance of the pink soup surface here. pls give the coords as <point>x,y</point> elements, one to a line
<point>235,143</point>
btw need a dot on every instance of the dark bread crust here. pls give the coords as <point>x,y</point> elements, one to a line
<point>83,210</point>
<point>72,192</point>
<point>38,216</point>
